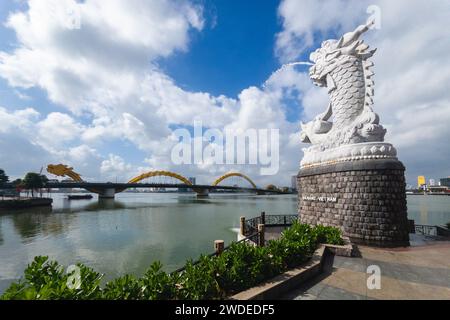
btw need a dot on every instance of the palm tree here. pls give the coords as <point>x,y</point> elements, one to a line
<point>34,181</point>
<point>18,184</point>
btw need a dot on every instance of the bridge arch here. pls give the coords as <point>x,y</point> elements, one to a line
<point>158,174</point>
<point>234,174</point>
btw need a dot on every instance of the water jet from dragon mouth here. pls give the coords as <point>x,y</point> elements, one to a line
<point>284,67</point>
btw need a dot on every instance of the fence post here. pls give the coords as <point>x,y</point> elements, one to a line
<point>242,226</point>
<point>261,231</point>
<point>219,245</point>
<point>263,217</point>
<point>412,227</point>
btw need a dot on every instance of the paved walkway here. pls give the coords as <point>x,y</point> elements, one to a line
<point>421,271</point>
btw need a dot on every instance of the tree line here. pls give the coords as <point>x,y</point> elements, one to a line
<point>32,181</point>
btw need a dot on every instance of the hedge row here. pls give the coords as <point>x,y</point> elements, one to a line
<point>240,267</point>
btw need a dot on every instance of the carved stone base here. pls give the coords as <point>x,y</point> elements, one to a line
<point>314,157</point>
<point>366,199</point>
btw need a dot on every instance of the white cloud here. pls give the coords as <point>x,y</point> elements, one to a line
<point>412,69</point>
<point>106,72</point>
<point>115,168</point>
<point>58,128</point>
<point>18,119</point>
<point>107,69</point>
<point>305,22</point>
<point>29,144</point>
<point>103,61</point>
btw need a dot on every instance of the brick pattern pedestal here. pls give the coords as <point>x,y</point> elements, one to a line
<point>365,198</point>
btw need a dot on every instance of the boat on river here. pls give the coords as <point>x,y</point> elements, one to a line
<point>79,197</point>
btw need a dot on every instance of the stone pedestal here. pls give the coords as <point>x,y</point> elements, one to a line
<point>366,199</point>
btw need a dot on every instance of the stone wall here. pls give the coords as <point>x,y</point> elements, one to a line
<point>365,198</point>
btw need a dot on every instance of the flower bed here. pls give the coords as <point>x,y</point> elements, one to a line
<point>240,267</point>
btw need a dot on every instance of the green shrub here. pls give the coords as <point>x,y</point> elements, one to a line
<point>47,280</point>
<point>123,288</point>
<point>329,235</point>
<point>240,267</point>
<point>157,284</point>
<point>198,282</point>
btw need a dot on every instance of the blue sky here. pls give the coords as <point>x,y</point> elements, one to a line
<point>234,51</point>
<point>105,98</point>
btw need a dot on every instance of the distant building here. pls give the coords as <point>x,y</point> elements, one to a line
<point>445,182</point>
<point>192,180</point>
<point>439,190</point>
<point>432,183</point>
<point>421,182</point>
<point>294,182</point>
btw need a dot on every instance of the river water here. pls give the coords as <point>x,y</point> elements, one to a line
<point>127,234</point>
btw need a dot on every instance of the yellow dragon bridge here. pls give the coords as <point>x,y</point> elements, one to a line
<point>62,170</point>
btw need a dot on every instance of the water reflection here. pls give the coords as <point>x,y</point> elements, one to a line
<point>429,209</point>
<point>127,234</point>
<point>105,204</point>
<point>423,209</point>
<point>69,206</point>
<point>39,222</point>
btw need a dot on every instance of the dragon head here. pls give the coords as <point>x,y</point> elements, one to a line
<point>333,52</point>
<point>61,170</point>
<point>58,169</point>
<point>323,62</point>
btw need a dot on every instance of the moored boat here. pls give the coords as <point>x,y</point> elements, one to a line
<point>80,197</point>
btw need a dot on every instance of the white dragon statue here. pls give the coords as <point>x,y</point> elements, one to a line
<point>344,68</point>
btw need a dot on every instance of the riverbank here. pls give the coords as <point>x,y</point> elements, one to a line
<point>24,203</point>
<point>127,234</point>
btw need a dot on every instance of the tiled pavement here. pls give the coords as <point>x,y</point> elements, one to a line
<point>421,271</point>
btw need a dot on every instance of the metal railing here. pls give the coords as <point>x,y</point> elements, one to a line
<point>273,220</point>
<point>428,230</point>
<point>425,230</point>
<point>280,220</point>
<point>252,234</point>
<point>251,226</point>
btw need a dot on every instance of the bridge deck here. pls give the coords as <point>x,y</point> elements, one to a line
<point>123,186</point>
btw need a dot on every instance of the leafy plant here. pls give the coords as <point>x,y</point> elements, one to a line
<point>47,280</point>
<point>240,267</point>
<point>123,288</point>
<point>157,284</point>
<point>329,235</point>
<point>197,281</point>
